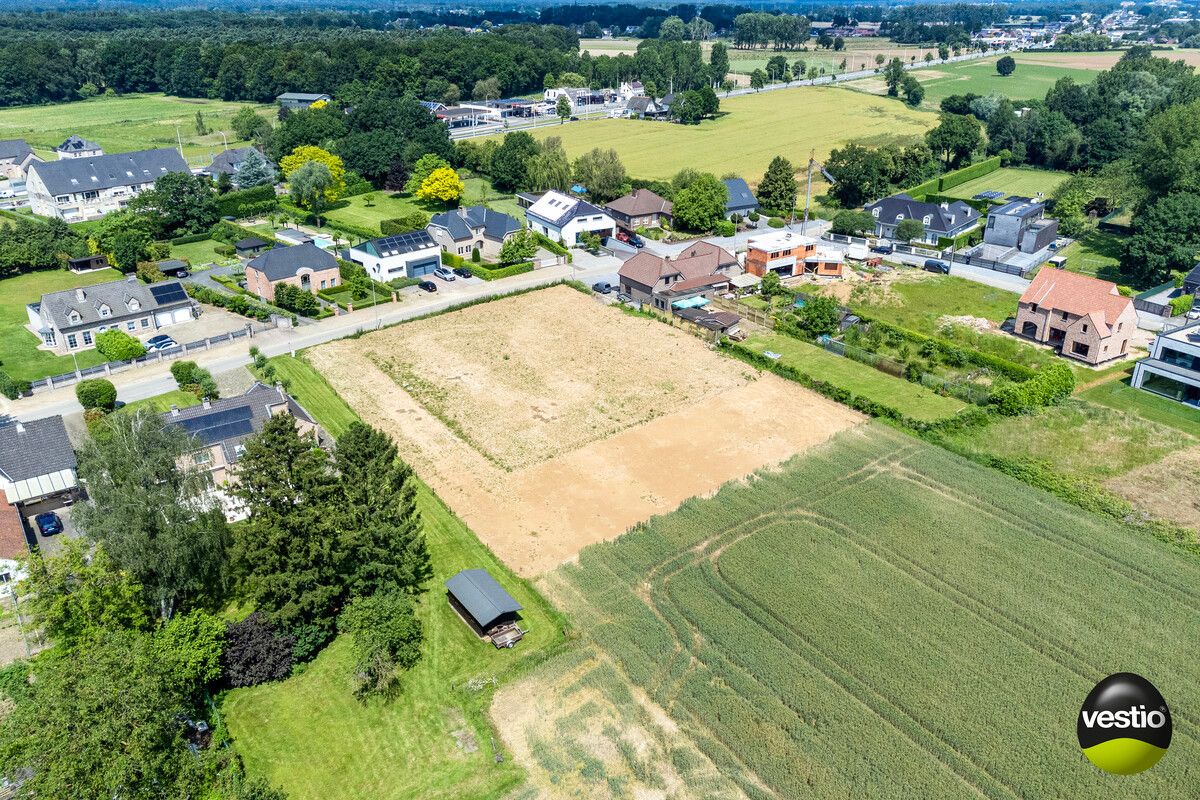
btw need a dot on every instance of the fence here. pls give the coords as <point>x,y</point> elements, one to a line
<point>169,354</point>
<point>1142,301</point>
<point>841,237</point>
<point>986,263</point>
<point>917,251</point>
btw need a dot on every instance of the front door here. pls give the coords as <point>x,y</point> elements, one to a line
<point>306,283</point>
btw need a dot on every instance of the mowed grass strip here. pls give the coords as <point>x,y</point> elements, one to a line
<point>1011,181</point>
<point>839,627</point>
<point>129,122</point>
<point>1030,81</point>
<point>754,129</point>
<point>910,398</point>
<point>311,737</point>
<point>368,210</point>
<point>19,353</point>
<point>1119,395</point>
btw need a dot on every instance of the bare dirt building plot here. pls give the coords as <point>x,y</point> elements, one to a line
<point>548,421</point>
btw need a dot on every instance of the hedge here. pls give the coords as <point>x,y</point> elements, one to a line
<point>238,304</point>
<point>230,233</point>
<point>1010,369</point>
<point>10,388</point>
<point>352,231</point>
<point>1182,304</point>
<point>982,206</point>
<point>338,296</point>
<point>552,246</point>
<point>245,202</point>
<point>919,191</point>
<point>451,260</point>
<point>961,176</point>
<point>191,237</point>
<point>488,274</point>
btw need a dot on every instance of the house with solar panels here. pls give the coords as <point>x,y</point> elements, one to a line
<point>220,429</point>
<point>568,219</point>
<point>70,320</point>
<point>413,254</point>
<point>88,187</point>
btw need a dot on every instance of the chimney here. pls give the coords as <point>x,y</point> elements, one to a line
<point>945,206</point>
<point>80,296</point>
<point>20,427</point>
<point>174,410</point>
<point>206,404</point>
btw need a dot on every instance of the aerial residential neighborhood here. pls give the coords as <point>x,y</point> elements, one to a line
<point>606,401</point>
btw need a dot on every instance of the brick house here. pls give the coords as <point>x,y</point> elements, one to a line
<point>641,208</point>
<point>789,254</point>
<point>1086,318</point>
<point>700,271</point>
<point>304,266</point>
<point>470,227</point>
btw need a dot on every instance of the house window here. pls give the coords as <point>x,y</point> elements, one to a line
<point>90,195</point>
<point>63,198</point>
<point>131,325</point>
<point>1085,329</point>
<point>145,322</point>
<point>105,311</point>
<point>72,342</point>
<point>87,337</point>
<point>1033,307</point>
<point>1064,315</point>
<point>202,457</point>
<point>74,317</point>
<point>1080,349</point>
<point>332,282</point>
<point>1120,325</point>
<point>49,337</point>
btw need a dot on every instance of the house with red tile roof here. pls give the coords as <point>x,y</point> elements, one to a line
<point>1085,318</point>
<point>700,270</point>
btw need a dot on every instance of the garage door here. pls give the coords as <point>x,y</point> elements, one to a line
<point>162,318</point>
<point>183,314</point>
<point>418,269</point>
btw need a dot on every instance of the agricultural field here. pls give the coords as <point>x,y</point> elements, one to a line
<point>19,353</point>
<point>544,420</point>
<point>910,398</point>
<point>1011,181</point>
<point>129,122</point>
<point>368,210</point>
<point>310,736</point>
<point>879,618</point>
<point>753,129</point>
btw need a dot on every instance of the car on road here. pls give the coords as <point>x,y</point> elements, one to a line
<point>463,272</point>
<point>602,287</point>
<point>933,265</point>
<point>445,273</point>
<point>48,523</point>
<point>160,342</point>
<point>427,286</point>
<point>882,249</point>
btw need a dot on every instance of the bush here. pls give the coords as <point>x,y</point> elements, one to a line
<point>247,202</point>
<point>226,250</point>
<point>412,221</point>
<point>1182,304</point>
<point>725,228</point>
<point>776,222</point>
<point>190,238</point>
<point>255,652</point>
<point>238,304</point>
<point>476,256</point>
<point>96,393</point>
<point>192,378</point>
<point>488,274</point>
<point>387,638</point>
<point>117,345</point>
<point>852,223</point>
<point>148,272</point>
<point>1051,384</point>
<point>753,216</point>
<point>10,388</point>
<point>296,299</point>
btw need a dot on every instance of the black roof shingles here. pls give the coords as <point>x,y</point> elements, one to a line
<point>279,263</point>
<point>71,175</point>
<point>35,448</point>
<point>484,599</point>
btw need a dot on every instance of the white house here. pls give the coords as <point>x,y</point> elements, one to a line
<point>76,189</point>
<point>405,255</point>
<point>567,219</point>
<point>70,319</point>
<point>78,147</point>
<point>15,158</point>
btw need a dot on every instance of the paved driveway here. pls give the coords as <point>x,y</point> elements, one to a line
<point>49,545</point>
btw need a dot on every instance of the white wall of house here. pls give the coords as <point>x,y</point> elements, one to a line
<point>405,265</point>
<point>573,229</point>
<point>79,206</point>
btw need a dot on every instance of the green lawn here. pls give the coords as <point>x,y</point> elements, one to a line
<point>918,305</point>
<point>910,398</point>
<point>1030,81</point>
<point>162,402</point>
<point>753,129</point>
<point>311,737</point>
<point>129,122</point>
<point>1121,396</point>
<point>388,206</point>
<point>1097,253</point>
<point>200,254</point>
<point>19,356</point>
<point>1022,182</point>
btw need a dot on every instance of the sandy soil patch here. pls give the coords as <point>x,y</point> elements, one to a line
<point>1165,488</point>
<point>606,419</point>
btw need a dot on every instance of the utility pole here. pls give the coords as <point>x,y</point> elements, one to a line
<point>808,191</point>
<point>179,141</point>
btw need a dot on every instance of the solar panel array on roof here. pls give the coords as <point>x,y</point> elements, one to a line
<point>988,195</point>
<point>403,243</point>
<point>168,293</point>
<point>219,425</point>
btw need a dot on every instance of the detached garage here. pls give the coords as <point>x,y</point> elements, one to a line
<point>483,604</point>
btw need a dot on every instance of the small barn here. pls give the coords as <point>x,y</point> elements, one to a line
<point>485,606</point>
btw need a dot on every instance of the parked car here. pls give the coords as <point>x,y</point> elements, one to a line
<point>182,273</point>
<point>636,241</point>
<point>49,523</point>
<point>462,272</point>
<point>160,342</point>
<point>882,249</point>
<point>445,273</point>
<point>624,298</point>
<point>428,286</point>
<point>603,287</point>
<point>933,265</point>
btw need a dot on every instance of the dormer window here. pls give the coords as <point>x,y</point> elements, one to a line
<point>74,317</point>
<point>105,311</point>
<point>875,213</point>
<point>134,305</point>
<point>928,219</point>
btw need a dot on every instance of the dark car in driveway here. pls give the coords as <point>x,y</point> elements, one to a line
<point>463,272</point>
<point>603,287</point>
<point>48,523</point>
<point>160,342</point>
<point>882,249</point>
<point>428,286</point>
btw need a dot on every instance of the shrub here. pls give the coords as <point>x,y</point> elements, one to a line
<point>96,393</point>
<point>293,298</point>
<point>10,388</point>
<point>414,220</point>
<point>1182,304</point>
<point>255,652</point>
<point>753,216</point>
<point>1049,385</point>
<point>118,345</point>
<point>192,378</point>
<point>148,272</point>
<point>387,639</point>
<point>725,228</point>
<point>776,222</point>
<point>226,250</point>
<point>476,257</point>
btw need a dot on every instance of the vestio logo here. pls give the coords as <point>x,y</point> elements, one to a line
<point>1124,725</point>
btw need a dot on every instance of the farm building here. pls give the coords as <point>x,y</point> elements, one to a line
<point>485,606</point>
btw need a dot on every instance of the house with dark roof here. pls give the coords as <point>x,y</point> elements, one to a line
<point>220,429</point>
<point>474,227</point>
<point>641,208</point>
<point>36,460</point>
<point>297,100</point>
<point>1018,226</point>
<point>698,272</point>
<point>83,188</point>
<point>1191,281</point>
<point>251,246</point>
<point>739,199</point>
<point>567,219</point>
<point>643,107</point>
<point>941,220</point>
<point>70,320</point>
<point>1085,318</point>
<point>482,603</point>
<point>412,254</point>
<point>15,158</point>
<point>78,147</point>
<point>304,266</point>
<point>227,161</point>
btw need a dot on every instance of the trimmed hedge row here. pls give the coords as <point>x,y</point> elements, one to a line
<point>969,417</point>
<point>1010,369</point>
<point>238,304</point>
<point>247,202</point>
<point>191,237</point>
<point>961,176</point>
<point>981,206</point>
<point>231,232</point>
<point>920,191</point>
<point>480,271</point>
<point>552,246</point>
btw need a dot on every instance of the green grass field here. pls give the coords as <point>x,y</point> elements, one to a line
<point>754,129</point>
<point>19,356</point>
<point>385,205</point>
<point>200,254</point>
<point>882,618</point>
<point>129,122</point>
<point>311,737</point>
<point>919,305</point>
<point>1121,396</point>
<point>1030,81</point>
<point>1097,253</point>
<point>162,402</point>
<point>910,398</point>
<point>1021,182</point>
